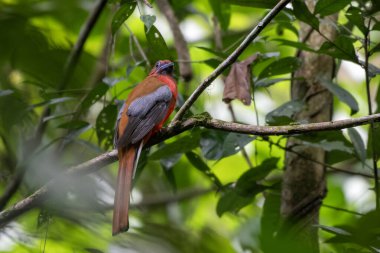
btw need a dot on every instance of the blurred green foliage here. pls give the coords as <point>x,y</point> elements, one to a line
<point>195,192</point>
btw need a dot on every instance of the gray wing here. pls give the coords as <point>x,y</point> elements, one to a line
<point>144,113</point>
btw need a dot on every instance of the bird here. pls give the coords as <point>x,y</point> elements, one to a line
<point>142,115</point>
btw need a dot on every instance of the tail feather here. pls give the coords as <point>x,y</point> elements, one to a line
<point>124,185</point>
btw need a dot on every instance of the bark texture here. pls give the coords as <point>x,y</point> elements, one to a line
<point>304,184</point>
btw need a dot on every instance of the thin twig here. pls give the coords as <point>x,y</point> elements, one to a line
<point>356,173</point>
<point>139,47</point>
<point>179,40</point>
<point>367,82</point>
<point>342,209</point>
<point>230,59</point>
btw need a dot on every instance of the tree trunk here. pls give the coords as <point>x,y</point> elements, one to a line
<point>304,184</point>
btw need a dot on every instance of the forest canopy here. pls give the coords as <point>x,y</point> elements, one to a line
<point>273,145</point>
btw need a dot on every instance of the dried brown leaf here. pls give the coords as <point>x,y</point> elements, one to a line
<point>238,82</point>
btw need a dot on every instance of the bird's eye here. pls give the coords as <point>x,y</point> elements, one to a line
<point>157,64</point>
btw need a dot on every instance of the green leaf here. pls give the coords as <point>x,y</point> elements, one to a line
<point>52,101</point>
<point>222,11</point>
<point>213,63</point>
<point>342,94</point>
<point>280,66</point>
<point>358,143</point>
<point>295,44</point>
<point>334,230</point>
<point>121,15</point>
<point>198,163</point>
<point>266,82</point>
<point>148,21</point>
<point>340,149</point>
<point>328,7</point>
<point>180,146</point>
<point>270,220</point>
<point>75,124</point>
<point>5,92</point>
<point>283,114</point>
<point>249,178</point>
<point>93,96</point>
<point>303,13</point>
<point>286,26</point>
<point>158,49</point>
<point>234,142</point>
<point>330,146</point>
<point>341,48</point>
<point>216,145</point>
<point>167,166</point>
<point>105,123</point>
<point>231,201</point>
<point>356,17</point>
<point>267,4</point>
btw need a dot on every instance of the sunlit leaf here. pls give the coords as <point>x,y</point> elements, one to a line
<point>295,44</point>
<point>356,16</point>
<point>341,48</point>
<point>303,13</point>
<point>121,15</point>
<point>158,49</point>
<point>212,51</point>
<point>281,66</point>
<point>217,144</point>
<point>222,11</point>
<point>328,7</point>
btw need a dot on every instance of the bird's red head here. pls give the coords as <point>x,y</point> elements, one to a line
<point>163,67</point>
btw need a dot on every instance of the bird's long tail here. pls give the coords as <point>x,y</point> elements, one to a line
<point>127,160</point>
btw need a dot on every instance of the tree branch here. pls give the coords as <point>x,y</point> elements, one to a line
<point>107,158</point>
<point>264,130</point>
<point>230,59</point>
